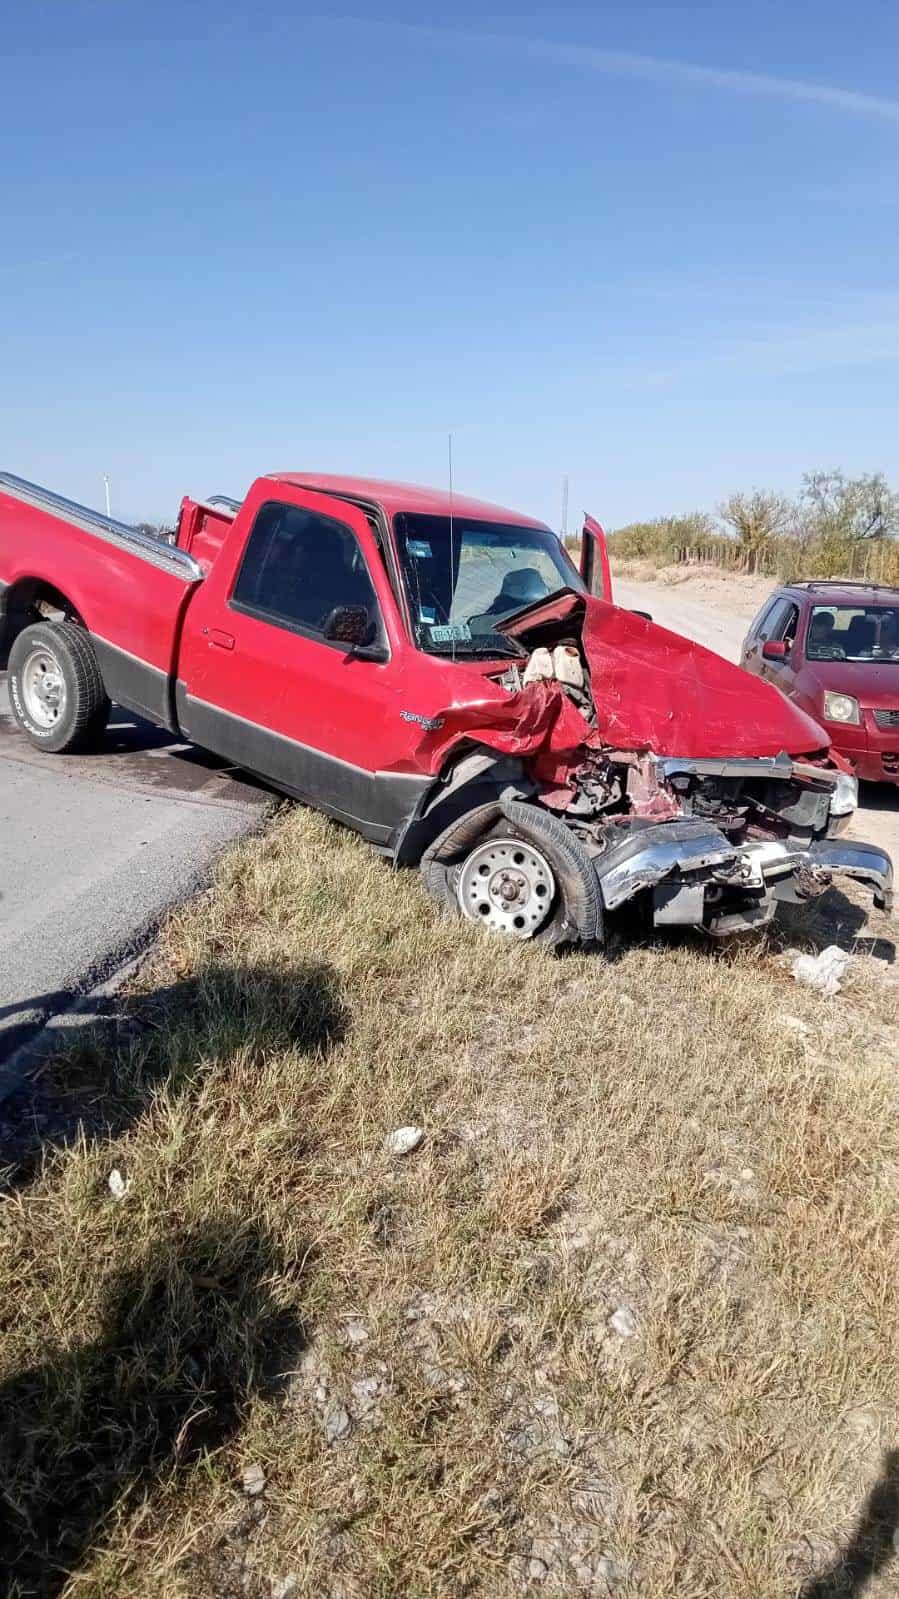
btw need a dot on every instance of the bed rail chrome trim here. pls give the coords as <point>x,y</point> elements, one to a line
<point>166,556</point>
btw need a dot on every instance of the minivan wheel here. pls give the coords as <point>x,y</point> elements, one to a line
<point>55,688</point>
<point>518,871</point>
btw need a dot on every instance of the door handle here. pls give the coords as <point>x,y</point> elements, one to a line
<point>225,641</point>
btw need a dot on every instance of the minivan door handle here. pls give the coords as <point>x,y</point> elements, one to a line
<point>225,641</point>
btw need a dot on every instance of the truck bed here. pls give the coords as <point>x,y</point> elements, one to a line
<point>128,586</point>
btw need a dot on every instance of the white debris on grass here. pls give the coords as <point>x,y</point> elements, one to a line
<point>623,1321</point>
<point>823,972</point>
<point>336,1424</point>
<point>253,1480</point>
<point>117,1184</point>
<point>403,1140</point>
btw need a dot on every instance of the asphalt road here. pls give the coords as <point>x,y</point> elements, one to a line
<point>94,850</point>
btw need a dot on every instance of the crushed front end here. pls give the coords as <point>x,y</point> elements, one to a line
<point>717,844</point>
<point>683,779</point>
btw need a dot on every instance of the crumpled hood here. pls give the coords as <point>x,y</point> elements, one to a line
<point>656,690</point>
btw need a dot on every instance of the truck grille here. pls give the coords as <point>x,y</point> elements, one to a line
<point>887,718</point>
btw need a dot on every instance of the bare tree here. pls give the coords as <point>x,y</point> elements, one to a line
<point>838,507</point>
<point>757,519</point>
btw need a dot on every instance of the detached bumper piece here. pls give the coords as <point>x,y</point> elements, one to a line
<point>698,878</point>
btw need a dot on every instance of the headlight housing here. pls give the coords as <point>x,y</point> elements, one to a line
<point>844,799</point>
<point>841,708</point>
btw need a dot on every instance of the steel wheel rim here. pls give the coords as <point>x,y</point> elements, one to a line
<point>507,886</point>
<point>43,688</point>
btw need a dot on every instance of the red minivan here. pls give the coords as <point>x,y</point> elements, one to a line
<point>833,648</point>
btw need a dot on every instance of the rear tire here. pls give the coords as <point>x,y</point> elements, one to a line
<point>55,687</point>
<point>575,915</point>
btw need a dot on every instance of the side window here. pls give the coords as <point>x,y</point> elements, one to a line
<point>298,567</point>
<point>777,620</point>
<point>787,625</point>
<point>758,628</point>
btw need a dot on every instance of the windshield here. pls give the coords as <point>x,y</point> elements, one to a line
<point>853,633</point>
<point>457,595</point>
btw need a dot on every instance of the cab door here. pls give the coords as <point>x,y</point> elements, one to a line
<point>264,681</point>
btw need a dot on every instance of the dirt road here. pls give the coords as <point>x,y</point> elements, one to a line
<point>716,609</point>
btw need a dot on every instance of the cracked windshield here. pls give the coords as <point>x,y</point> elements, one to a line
<point>460,587</point>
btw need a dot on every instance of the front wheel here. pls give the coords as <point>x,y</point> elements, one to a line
<point>55,688</point>
<point>516,870</point>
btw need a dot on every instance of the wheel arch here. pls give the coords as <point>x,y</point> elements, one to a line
<point>469,777</point>
<point>27,600</point>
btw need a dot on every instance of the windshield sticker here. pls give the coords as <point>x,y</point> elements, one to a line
<point>450,633</point>
<point>427,613</point>
<point>420,548</point>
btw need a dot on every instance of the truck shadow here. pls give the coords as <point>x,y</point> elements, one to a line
<point>872,1545</point>
<point>837,918</point>
<point>98,1080</point>
<point>193,1330</point>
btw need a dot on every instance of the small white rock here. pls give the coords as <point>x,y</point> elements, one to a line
<point>286,1587</point>
<point>608,1569</point>
<point>355,1331</point>
<point>253,1481</point>
<point>403,1140</point>
<point>795,1024</point>
<point>336,1423</point>
<point>623,1322</point>
<point>117,1184</point>
<point>365,1392</point>
<point>537,1569</point>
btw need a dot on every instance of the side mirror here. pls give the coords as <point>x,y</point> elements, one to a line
<point>776,649</point>
<point>350,625</point>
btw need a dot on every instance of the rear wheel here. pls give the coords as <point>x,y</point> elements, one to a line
<point>55,687</point>
<point>516,870</point>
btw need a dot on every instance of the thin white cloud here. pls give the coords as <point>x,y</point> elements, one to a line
<point>626,64</point>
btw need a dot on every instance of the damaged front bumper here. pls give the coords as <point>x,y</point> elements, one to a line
<point>698,878</point>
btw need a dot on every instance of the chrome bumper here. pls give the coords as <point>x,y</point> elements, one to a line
<point>682,860</point>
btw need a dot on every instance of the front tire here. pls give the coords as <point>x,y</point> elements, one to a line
<point>518,871</point>
<point>55,687</point>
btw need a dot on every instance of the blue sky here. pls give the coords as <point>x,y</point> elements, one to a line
<point>649,246</point>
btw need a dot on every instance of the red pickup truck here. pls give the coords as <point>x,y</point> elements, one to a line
<point>436,673</point>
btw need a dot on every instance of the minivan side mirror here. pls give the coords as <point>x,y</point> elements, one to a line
<point>776,649</point>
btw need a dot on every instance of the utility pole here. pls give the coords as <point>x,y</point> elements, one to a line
<point>106,486</point>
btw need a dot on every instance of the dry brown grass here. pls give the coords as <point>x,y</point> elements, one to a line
<point>641,1132</point>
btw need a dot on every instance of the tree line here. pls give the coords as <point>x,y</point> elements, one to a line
<point>837,526</point>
